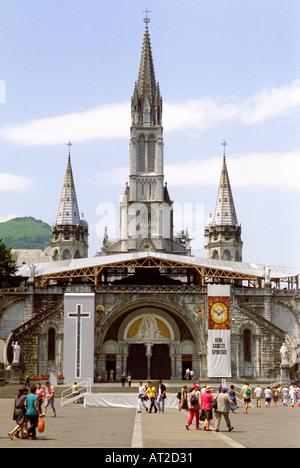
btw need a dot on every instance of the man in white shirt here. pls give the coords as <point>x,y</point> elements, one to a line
<point>268,397</point>
<point>293,394</point>
<point>141,402</point>
<point>285,395</point>
<point>258,394</point>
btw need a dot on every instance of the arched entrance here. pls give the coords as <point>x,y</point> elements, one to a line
<point>150,341</point>
<point>137,361</point>
<point>160,367</point>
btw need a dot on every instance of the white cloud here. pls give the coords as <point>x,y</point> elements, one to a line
<point>8,218</point>
<point>270,170</point>
<point>109,121</point>
<point>14,183</point>
<point>195,115</point>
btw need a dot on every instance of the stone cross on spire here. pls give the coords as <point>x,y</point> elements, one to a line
<point>146,20</point>
<point>224,144</point>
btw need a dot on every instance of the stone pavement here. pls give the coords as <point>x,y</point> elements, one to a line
<point>108,428</point>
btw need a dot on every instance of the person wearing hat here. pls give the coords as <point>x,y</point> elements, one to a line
<point>206,401</point>
<point>194,407</point>
<point>223,401</point>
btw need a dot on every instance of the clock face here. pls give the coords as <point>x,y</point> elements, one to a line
<point>219,313</point>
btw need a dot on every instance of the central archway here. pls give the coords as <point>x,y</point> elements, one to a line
<point>152,335</point>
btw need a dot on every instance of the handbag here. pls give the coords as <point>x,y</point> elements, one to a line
<point>202,416</point>
<point>214,404</point>
<point>178,395</point>
<point>41,425</point>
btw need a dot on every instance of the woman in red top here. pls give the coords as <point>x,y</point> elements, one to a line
<point>206,401</point>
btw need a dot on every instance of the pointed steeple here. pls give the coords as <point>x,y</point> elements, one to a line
<point>68,212</point>
<point>222,232</point>
<point>225,213</point>
<point>146,102</point>
<point>70,232</point>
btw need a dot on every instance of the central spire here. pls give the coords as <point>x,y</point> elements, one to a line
<point>146,102</point>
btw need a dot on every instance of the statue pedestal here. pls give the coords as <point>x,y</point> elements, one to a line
<point>15,377</point>
<point>285,374</point>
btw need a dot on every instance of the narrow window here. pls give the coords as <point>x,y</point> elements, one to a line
<point>51,344</point>
<point>247,345</point>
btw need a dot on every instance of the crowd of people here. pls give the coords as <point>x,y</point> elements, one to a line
<point>28,410</point>
<point>225,401</point>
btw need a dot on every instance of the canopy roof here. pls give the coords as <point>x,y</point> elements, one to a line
<point>205,268</point>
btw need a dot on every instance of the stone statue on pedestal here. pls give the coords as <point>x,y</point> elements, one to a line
<point>16,352</point>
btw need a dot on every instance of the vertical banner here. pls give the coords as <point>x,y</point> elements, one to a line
<point>219,358</point>
<point>79,318</point>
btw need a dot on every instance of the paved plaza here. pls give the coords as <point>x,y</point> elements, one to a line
<point>113,428</point>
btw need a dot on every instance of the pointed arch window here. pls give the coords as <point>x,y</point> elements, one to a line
<point>151,155</point>
<point>141,155</point>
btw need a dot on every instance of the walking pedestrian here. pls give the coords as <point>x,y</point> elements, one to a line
<point>33,412</point>
<point>206,401</point>
<point>293,394</point>
<point>129,380</point>
<point>268,396</point>
<point>27,381</point>
<point>275,395</point>
<point>194,407</point>
<point>183,404</point>
<point>141,398</point>
<point>49,399</point>
<point>258,393</point>
<point>232,395</point>
<point>40,393</point>
<point>19,414</point>
<point>285,395</point>
<point>161,397</point>
<point>246,396</point>
<point>151,391</point>
<point>123,379</point>
<point>223,401</point>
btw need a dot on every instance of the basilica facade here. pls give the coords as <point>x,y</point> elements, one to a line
<point>147,294</point>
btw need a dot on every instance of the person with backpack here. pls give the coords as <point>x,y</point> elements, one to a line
<point>194,407</point>
<point>246,392</point>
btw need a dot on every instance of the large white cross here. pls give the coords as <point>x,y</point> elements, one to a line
<point>78,316</point>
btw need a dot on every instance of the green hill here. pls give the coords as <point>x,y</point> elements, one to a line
<point>26,233</point>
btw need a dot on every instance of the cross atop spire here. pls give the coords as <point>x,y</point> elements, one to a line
<point>69,145</point>
<point>224,144</point>
<point>146,20</point>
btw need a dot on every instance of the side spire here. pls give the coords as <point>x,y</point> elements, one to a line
<point>225,213</point>
<point>68,212</point>
<point>222,232</point>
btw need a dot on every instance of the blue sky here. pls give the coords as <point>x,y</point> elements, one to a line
<point>227,70</point>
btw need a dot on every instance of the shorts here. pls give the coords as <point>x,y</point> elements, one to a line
<point>208,413</point>
<point>49,402</point>
<point>268,400</point>
<point>247,400</point>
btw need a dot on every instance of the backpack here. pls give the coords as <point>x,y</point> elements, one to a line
<point>248,391</point>
<point>193,399</point>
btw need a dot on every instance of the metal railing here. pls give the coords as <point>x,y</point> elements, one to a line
<point>68,397</point>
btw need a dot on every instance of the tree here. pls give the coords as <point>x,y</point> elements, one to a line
<point>8,267</point>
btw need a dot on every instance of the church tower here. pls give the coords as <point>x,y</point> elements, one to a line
<point>70,232</point>
<point>222,232</point>
<point>146,210</point>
